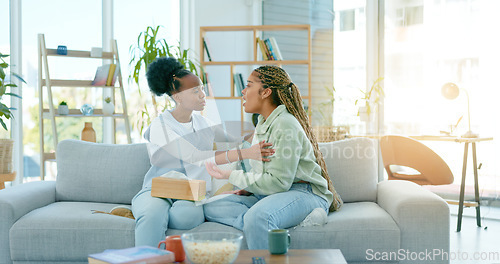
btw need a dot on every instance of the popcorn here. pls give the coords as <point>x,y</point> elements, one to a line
<point>211,252</point>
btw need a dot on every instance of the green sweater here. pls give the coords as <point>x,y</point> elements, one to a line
<point>293,160</point>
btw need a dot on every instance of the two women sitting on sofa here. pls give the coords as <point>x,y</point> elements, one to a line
<point>277,192</point>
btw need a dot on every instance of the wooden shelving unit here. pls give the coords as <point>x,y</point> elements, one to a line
<point>49,112</point>
<point>257,61</point>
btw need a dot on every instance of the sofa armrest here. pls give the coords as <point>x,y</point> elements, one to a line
<point>17,201</point>
<point>423,219</point>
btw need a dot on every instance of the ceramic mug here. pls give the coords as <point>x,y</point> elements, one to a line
<point>279,241</point>
<point>174,244</point>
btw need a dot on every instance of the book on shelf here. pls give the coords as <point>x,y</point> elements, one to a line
<point>205,45</point>
<point>106,75</point>
<point>206,82</point>
<point>270,49</point>
<point>142,254</point>
<point>239,85</point>
<point>275,47</point>
<point>263,49</point>
<point>242,83</point>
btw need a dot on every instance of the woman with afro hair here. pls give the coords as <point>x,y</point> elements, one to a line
<point>180,141</point>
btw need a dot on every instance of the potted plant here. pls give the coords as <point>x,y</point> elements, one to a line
<point>323,129</point>
<point>369,102</point>
<point>148,48</point>
<point>108,108</point>
<point>62,109</point>
<point>5,114</point>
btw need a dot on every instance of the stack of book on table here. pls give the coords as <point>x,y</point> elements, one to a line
<point>143,254</point>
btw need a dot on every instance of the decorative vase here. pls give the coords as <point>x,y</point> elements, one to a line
<point>87,109</point>
<point>63,110</point>
<point>363,114</point>
<point>88,133</point>
<point>108,108</point>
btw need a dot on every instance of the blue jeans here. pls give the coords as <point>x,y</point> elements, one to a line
<point>154,215</point>
<point>256,214</point>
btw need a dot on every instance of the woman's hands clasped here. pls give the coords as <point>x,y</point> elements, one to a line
<point>259,151</point>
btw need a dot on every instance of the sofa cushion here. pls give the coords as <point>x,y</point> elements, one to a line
<point>92,172</point>
<point>68,231</point>
<point>353,166</point>
<point>354,229</point>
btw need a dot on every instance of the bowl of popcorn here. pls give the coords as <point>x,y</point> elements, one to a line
<point>211,247</point>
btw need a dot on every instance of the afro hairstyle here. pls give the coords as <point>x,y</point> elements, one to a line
<point>160,75</point>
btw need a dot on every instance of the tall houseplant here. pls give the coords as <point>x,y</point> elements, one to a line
<point>6,114</point>
<point>149,47</point>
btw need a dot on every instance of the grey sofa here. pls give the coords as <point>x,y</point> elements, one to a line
<point>52,222</point>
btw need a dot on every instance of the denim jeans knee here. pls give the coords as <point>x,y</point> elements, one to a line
<point>185,215</point>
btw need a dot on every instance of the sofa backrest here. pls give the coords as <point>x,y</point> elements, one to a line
<point>93,172</point>
<point>353,168</point>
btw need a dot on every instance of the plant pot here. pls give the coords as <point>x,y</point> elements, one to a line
<point>108,108</point>
<point>6,146</point>
<point>63,110</point>
<point>363,114</point>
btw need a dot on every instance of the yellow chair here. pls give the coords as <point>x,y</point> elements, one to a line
<point>428,167</point>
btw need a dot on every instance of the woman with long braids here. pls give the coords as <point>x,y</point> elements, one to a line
<point>282,192</point>
<point>179,143</point>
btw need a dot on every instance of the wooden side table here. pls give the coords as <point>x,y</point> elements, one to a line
<point>6,177</point>
<point>466,141</point>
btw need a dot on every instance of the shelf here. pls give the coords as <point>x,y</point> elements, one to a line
<point>50,112</point>
<point>255,59</point>
<point>78,113</point>
<point>79,54</point>
<point>270,62</point>
<point>73,84</point>
<point>259,28</point>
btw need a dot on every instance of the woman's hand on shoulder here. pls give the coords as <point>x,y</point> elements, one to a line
<point>259,151</point>
<point>216,172</point>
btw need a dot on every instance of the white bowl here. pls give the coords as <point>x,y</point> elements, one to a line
<point>211,247</point>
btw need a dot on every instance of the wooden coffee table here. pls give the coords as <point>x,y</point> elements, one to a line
<point>294,256</point>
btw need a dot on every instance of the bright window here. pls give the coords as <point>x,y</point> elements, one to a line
<point>349,65</point>
<point>78,25</point>
<point>430,43</point>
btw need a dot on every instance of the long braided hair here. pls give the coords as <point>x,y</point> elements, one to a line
<point>285,92</point>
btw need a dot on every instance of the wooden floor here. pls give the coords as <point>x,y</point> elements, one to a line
<point>475,244</point>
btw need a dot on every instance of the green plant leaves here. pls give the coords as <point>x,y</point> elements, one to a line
<point>5,112</point>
